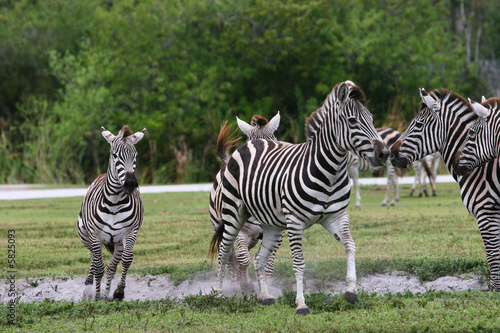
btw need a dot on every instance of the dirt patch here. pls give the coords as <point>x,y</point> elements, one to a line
<point>158,287</point>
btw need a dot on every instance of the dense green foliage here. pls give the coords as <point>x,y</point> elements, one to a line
<point>179,68</point>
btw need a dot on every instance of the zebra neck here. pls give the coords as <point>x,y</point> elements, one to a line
<point>456,122</point>
<point>113,188</point>
<point>327,158</point>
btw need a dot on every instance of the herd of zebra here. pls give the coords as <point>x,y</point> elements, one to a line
<point>268,186</point>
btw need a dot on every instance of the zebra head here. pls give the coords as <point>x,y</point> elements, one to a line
<point>423,136</point>
<point>122,157</point>
<point>352,124</point>
<point>259,127</point>
<point>482,141</point>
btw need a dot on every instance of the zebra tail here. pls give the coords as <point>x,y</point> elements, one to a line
<point>216,239</point>
<point>226,141</point>
<point>401,172</point>
<point>110,248</point>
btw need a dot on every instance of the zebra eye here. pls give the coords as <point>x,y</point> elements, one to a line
<point>115,155</point>
<point>352,120</point>
<point>419,125</point>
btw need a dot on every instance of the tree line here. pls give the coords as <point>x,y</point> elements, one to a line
<point>180,68</point>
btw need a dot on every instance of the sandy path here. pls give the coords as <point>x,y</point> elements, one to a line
<point>158,287</point>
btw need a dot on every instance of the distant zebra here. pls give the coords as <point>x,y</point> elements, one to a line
<point>293,186</point>
<point>442,125</point>
<point>425,167</point>
<point>355,164</point>
<point>483,140</point>
<point>248,237</point>
<point>112,213</point>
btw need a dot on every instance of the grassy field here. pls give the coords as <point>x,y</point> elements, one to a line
<point>429,237</point>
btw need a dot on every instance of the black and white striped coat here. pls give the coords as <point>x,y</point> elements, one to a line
<point>111,214</point>
<point>249,235</point>
<point>442,125</point>
<point>293,186</point>
<point>483,140</point>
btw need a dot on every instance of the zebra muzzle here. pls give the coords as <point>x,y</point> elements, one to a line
<point>130,183</point>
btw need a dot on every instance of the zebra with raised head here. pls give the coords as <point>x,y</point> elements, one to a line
<point>293,186</point>
<point>112,213</point>
<point>483,142</point>
<point>442,125</point>
<point>356,164</point>
<point>248,237</point>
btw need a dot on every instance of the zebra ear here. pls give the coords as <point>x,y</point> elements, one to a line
<point>483,99</point>
<point>430,102</point>
<point>479,109</point>
<point>110,137</point>
<point>343,92</point>
<point>137,136</point>
<point>274,123</point>
<point>245,127</point>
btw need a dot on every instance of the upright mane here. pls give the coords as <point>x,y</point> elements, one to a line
<point>258,121</point>
<point>314,121</point>
<point>441,94</point>
<point>126,131</point>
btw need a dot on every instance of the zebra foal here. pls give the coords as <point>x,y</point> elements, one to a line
<point>483,142</point>
<point>293,186</point>
<point>248,237</point>
<point>442,125</point>
<point>112,213</point>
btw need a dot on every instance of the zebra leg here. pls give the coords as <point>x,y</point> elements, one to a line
<point>299,265</point>
<point>111,268</point>
<point>354,172</point>
<point>388,189</point>
<point>97,267</point>
<point>233,222</point>
<point>243,261</point>
<point>270,241</point>
<point>489,226</point>
<point>395,184</point>
<point>272,256</point>
<point>233,267</point>
<point>340,229</point>
<point>127,258</point>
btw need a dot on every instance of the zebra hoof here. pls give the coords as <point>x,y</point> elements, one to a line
<point>351,297</point>
<point>393,204</point>
<point>268,301</point>
<point>118,295</point>
<point>302,312</point>
<point>383,204</point>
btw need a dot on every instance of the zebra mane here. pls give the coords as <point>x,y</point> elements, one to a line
<point>258,121</point>
<point>440,94</point>
<point>125,131</point>
<point>492,102</point>
<point>314,121</point>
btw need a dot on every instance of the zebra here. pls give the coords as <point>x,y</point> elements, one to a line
<point>248,237</point>
<point>441,125</point>
<point>293,186</point>
<point>482,143</point>
<point>355,164</point>
<point>425,167</point>
<point>112,213</point>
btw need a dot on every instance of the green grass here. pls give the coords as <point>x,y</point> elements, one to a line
<point>429,237</point>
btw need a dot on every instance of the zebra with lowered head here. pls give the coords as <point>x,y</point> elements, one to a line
<point>355,165</point>
<point>248,237</point>
<point>111,214</point>
<point>442,125</point>
<point>293,186</point>
<point>483,142</point>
